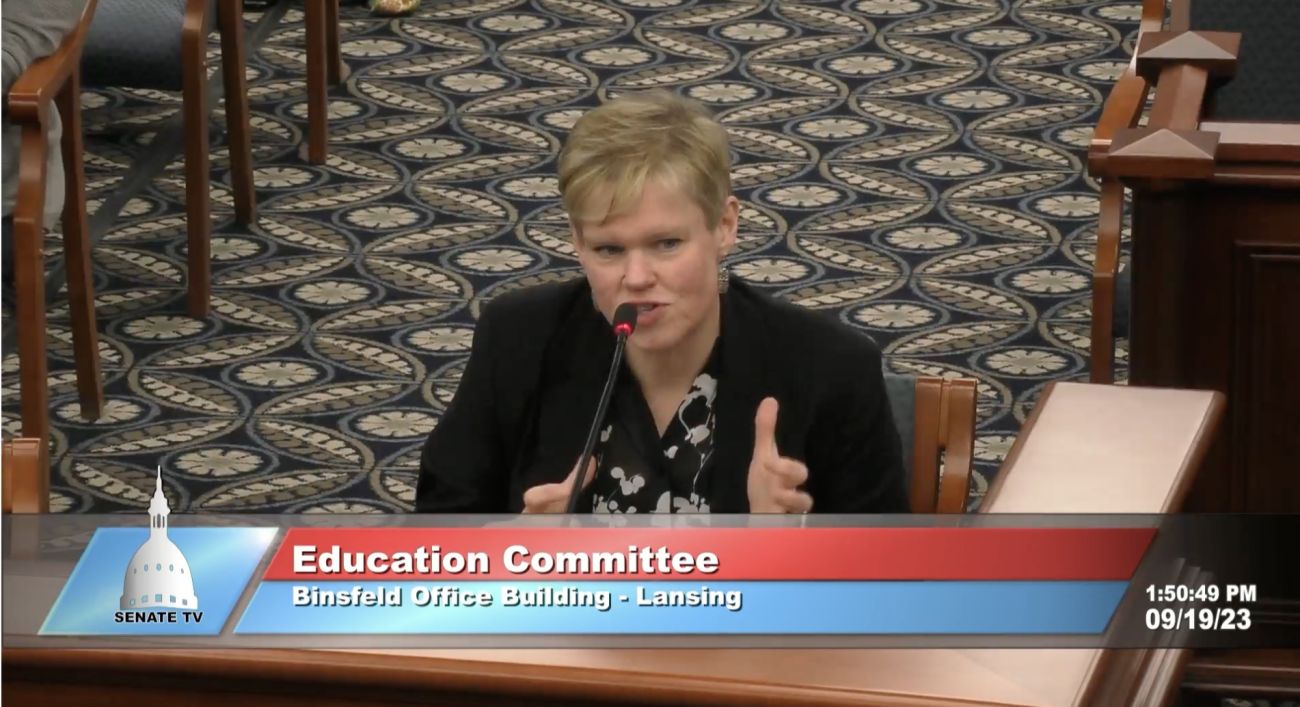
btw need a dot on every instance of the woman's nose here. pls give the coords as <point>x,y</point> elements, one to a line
<point>638,272</point>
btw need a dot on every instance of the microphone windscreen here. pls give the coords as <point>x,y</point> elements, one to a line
<point>625,319</point>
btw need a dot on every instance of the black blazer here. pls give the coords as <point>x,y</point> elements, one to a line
<point>539,360</point>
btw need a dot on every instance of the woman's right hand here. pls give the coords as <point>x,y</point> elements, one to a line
<point>554,498</point>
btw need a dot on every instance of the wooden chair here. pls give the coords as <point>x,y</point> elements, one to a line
<point>163,44</point>
<point>1123,109</point>
<point>324,66</point>
<point>26,476</point>
<point>26,490</point>
<point>53,80</point>
<point>936,423</point>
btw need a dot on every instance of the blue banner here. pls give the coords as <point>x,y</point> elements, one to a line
<point>759,607</point>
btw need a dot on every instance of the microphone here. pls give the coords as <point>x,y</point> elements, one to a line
<point>624,325</point>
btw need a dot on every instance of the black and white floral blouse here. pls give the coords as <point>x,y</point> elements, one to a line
<point>637,471</point>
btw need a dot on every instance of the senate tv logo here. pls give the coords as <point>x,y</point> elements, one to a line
<point>178,580</point>
<point>159,576</point>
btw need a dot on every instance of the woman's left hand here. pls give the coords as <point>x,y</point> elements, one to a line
<point>774,480</point>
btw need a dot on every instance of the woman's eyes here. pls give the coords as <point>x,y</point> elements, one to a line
<point>665,244</point>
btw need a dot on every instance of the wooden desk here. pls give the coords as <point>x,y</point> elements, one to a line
<point>1215,248</point>
<point>1086,448</point>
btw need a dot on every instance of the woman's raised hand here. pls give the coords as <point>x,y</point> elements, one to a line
<point>774,480</point>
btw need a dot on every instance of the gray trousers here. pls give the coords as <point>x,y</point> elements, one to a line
<point>33,29</point>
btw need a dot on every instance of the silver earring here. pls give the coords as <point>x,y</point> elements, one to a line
<point>724,279</point>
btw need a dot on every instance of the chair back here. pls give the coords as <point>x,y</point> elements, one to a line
<point>935,418</point>
<point>137,43</point>
<point>1266,84</point>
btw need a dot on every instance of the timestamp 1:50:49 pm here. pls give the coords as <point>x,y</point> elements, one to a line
<point>1180,593</point>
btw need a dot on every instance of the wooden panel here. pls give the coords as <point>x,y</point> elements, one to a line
<point>1266,176</point>
<point>1267,454</point>
<point>1195,298</point>
<point>1194,319</point>
<point>1161,241</point>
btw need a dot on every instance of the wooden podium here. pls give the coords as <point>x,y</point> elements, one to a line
<point>1085,449</point>
<point>1215,263</point>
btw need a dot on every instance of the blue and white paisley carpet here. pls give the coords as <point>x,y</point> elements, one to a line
<point>913,166</point>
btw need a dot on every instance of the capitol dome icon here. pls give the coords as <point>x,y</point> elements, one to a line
<point>158,576</point>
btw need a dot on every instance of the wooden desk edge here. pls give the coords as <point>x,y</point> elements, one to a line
<point>1196,454</point>
<point>1009,463</point>
<point>1269,673</point>
<point>1115,677</point>
<point>375,677</point>
<point>1268,148</point>
<point>1204,437</point>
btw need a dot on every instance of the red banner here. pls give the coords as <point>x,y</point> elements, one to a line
<point>794,554</point>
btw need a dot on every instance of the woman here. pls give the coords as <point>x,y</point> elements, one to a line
<point>729,401</point>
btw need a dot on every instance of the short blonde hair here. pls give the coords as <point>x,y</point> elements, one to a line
<point>615,149</point>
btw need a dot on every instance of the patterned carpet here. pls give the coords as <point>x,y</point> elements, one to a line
<point>913,166</point>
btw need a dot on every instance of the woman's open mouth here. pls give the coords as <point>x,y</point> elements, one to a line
<point>648,312</point>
